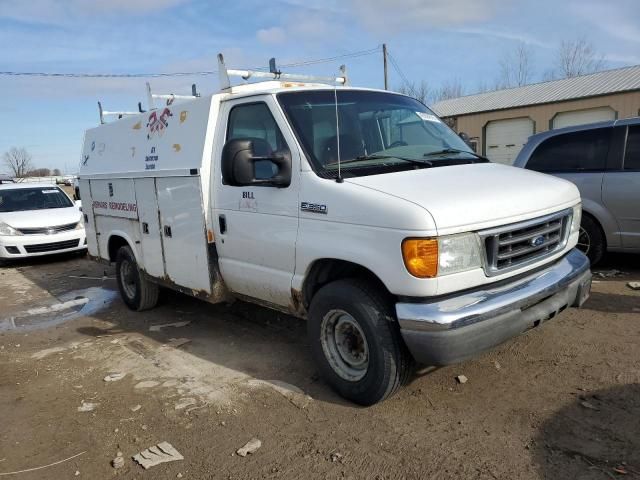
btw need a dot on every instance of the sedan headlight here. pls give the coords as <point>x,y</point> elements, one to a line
<point>79,225</point>
<point>577,218</point>
<point>8,230</point>
<point>430,257</point>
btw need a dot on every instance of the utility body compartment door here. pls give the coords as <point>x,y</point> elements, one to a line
<point>115,212</point>
<point>150,235</point>
<point>183,232</point>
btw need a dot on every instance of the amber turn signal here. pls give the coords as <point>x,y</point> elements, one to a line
<point>421,256</point>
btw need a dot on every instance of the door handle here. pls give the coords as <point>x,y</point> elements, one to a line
<point>167,231</point>
<point>222,221</point>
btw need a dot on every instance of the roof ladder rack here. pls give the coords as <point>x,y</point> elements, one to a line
<point>169,97</point>
<point>104,113</point>
<point>273,74</point>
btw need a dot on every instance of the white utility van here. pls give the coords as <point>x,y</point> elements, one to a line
<point>356,209</point>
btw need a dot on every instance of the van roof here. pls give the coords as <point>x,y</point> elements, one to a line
<point>275,87</point>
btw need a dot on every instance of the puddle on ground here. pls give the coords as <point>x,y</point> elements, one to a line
<point>74,304</point>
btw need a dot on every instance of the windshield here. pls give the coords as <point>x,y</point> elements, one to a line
<point>37,198</point>
<point>378,131</point>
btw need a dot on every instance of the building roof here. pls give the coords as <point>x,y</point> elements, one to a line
<point>600,83</point>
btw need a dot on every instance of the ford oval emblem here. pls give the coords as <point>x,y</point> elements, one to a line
<point>537,241</point>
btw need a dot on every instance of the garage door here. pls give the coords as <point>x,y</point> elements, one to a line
<point>505,138</point>
<point>580,117</point>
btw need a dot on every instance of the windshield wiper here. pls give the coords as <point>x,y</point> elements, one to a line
<point>361,158</point>
<point>455,150</point>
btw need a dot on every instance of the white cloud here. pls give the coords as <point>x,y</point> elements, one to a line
<point>271,36</point>
<point>397,14</point>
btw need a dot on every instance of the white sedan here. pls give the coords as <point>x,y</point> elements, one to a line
<point>38,220</point>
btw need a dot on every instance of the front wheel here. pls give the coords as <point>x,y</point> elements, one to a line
<point>591,240</point>
<point>356,342</point>
<point>137,292</point>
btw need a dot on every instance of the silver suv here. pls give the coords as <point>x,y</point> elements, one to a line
<point>603,160</point>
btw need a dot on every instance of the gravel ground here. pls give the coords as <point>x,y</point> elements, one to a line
<point>560,402</point>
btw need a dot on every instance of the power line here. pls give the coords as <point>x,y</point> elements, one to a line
<point>317,61</point>
<point>403,77</point>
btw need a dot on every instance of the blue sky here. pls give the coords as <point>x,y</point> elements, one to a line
<point>431,40</point>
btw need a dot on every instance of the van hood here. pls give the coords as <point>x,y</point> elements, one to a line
<point>475,196</point>
<point>49,217</point>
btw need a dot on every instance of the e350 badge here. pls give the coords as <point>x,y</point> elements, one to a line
<point>313,207</point>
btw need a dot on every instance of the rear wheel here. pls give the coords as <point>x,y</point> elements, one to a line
<point>356,342</point>
<point>591,240</point>
<point>137,292</point>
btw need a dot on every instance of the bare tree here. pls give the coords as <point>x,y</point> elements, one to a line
<point>577,57</point>
<point>18,160</point>
<point>516,67</point>
<point>56,172</point>
<point>421,91</point>
<point>450,89</point>
<point>483,87</point>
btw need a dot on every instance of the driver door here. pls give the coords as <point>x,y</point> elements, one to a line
<point>257,226</point>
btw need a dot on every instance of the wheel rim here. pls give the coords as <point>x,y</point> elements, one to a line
<point>345,345</point>
<point>584,241</point>
<point>128,279</point>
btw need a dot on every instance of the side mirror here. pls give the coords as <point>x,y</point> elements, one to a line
<point>242,167</point>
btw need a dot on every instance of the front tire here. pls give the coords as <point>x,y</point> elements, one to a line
<point>137,292</point>
<point>356,342</point>
<point>591,240</point>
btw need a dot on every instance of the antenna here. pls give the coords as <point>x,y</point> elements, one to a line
<point>335,98</point>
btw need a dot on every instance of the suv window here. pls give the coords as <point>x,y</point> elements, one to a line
<point>572,152</point>
<point>254,121</point>
<point>632,151</point>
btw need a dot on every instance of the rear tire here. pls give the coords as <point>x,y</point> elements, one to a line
<point>137,292</point>
<point>591,240</point>
<point>356,342</point>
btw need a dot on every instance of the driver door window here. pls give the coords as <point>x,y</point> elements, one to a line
<point>254,122</point>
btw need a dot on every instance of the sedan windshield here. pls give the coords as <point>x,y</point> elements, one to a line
<point>370,132</point>
<point>37,198</point>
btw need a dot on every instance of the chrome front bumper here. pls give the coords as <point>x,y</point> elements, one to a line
<point>457,327</point>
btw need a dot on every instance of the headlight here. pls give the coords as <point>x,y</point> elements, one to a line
<point>8,230</point>
<point>79,225</point>
<point>427,258</point>
<point>577,218</point>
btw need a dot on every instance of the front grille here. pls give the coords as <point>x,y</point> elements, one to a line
<point>513,246</point>
<point>51,247</point>
<point>48,230</point>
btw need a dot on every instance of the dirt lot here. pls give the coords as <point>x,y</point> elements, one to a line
<point>561,402</point>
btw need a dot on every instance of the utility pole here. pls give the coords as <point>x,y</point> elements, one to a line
<point>384,62</point>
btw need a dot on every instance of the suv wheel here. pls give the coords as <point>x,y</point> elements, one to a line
<point>591,240</point>
<point>356,343</point>
<point>137,292</point>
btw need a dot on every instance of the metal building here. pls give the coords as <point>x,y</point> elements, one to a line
<point>499,123</point>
